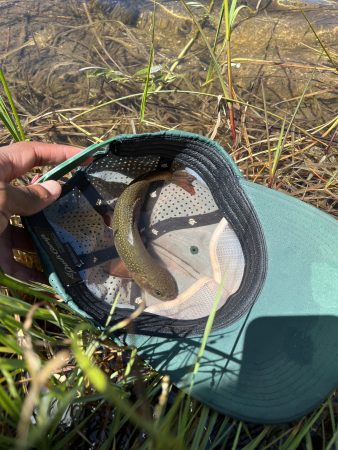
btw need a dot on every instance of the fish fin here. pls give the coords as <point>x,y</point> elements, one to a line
<point>107,219</point>
<point>184,180</point>
<point>143,280</point>
<point>117,268</point>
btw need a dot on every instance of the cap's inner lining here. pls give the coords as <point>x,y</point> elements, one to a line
<point>187,233</point>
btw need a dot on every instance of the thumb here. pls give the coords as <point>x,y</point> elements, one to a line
<point>29,200</point>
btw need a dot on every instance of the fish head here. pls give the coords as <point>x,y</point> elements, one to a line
<point>160,284</point>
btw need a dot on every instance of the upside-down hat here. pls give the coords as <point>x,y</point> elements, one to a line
<point>262,263</point>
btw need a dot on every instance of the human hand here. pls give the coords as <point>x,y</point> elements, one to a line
<point>16,160</point>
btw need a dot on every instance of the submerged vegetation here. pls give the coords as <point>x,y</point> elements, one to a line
<point>100,70</point>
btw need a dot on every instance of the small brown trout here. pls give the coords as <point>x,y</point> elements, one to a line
<point>142,267</point>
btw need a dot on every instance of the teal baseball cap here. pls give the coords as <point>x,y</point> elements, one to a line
<point>259,265</point>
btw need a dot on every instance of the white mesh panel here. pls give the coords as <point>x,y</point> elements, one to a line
<point>175,202</point>
<point>227,262</point>
<point>76,222</point>
<point>227,256</point>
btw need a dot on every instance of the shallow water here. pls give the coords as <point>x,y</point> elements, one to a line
<point>67,56</point>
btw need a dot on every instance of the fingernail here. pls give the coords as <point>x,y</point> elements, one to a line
<point>52,187</point>
<point>35,178</point>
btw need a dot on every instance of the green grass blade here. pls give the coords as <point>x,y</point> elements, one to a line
<point>214,47</point>
<point>334,64</point>
<point>333,442</point>
<point>118,422</point>
<point>295,438</point>
<point>11,344</point>
<point>255,443</point>
<point>7,120</point>
<point>50,428</point>
<point>25,288</point>
<point>238,433</point>
<point>227,19</point>
<point>4,111</point>
<point>308,441</point>
<point>207,330</point>
<point>211,52</point>
<point>11,102</point>
<point>11,305</point>
<point>278,153</point>
<point>10,406</point>
<point>10,378</point>
<point>200,429</point>
<point>118,397</point>
<point>150,65</point>
<point>332,414</point>
<point>234,14</point>
<point>282,136</point>
<point>208,432</point>
<point>11,364</point>
<point>223,434</point>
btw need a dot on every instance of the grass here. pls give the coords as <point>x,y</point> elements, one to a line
<point>150,67</point>
<point>10,117</point>
<point>60,377</point>
<point>78,382</point>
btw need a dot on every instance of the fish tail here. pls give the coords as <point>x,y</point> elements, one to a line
<point>184,180</point>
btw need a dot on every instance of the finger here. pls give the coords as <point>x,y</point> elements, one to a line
<point>16,159</point>
<point>27,200</point>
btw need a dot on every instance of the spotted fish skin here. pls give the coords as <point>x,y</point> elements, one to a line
<point>146,271</point>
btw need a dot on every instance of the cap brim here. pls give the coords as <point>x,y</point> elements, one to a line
<point>280,361</point>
